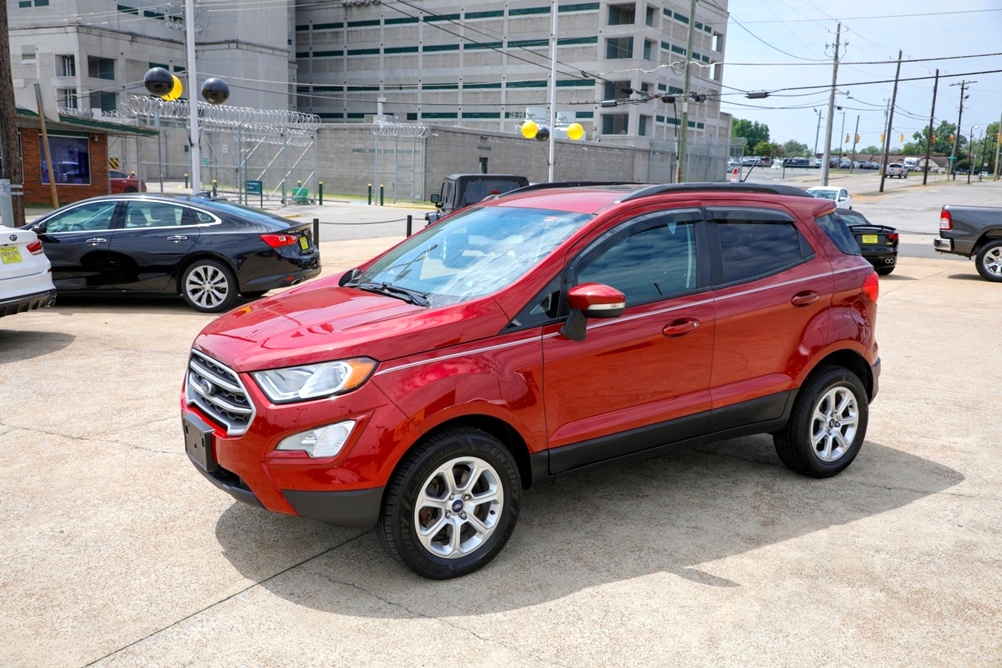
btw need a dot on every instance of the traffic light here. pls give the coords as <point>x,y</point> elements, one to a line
<point>902,137</point>
<point>881,137</point>
<point>846,137</point>
<point>951,138</point>
<point>934,139</point>
<point>857,140</point>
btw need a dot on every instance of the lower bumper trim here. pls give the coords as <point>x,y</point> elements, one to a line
<point>356,508</point>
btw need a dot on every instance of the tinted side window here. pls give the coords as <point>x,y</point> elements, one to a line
<point>833,225</point>
<point>653,261</point>
<point>754,249</point>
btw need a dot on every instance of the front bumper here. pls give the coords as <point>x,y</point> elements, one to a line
<point>345,490</point>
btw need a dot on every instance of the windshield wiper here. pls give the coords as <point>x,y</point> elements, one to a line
<point>390,290</point>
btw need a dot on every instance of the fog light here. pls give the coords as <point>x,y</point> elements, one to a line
<point>320,442</point>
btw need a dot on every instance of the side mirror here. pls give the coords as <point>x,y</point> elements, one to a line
<point>591,300</point>
<point>436,199</point>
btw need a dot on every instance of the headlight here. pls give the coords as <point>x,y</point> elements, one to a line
<point>320,442</point>
<point>310,381</point>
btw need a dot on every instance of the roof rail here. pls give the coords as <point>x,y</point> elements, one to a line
<point>566,184</point>
<point>667,188</point>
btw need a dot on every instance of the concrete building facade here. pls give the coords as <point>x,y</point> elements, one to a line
<point>91,54</point>
<point>485,65</point>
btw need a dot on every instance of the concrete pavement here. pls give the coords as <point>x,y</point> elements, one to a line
<point>116,552</point>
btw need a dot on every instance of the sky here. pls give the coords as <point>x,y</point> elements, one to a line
<point>773,45</point>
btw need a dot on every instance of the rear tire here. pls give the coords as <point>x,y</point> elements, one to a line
<point>452,505</point>
<point>209,286</point>
<point>989,260</point>
<point>827,425</point>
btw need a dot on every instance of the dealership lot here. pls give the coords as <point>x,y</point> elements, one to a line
<point>118,553</point>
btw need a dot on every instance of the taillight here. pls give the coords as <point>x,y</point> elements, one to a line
<point>945,220</point>
<point>279,240</point>
<point>35,247</point>
<point>893,238</point>
<point>871,286</point>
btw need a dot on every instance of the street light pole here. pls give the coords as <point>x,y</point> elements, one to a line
<point>196,158</point>
<point>970,158</point>
<point>817,132</point>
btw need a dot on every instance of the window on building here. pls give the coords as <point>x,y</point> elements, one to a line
<point>718,42</point>
<point>619,47</point>
<point>28,53</point>
<point>650,48</point>
<point>66,66</point>
<point>613,90</point>
<point>70,160</point>
<point>651,13</point>
<point>67,98</point>
<point>101,68</point>
<point>645,125</point>
<point>106,102</point>
<point>615,124</point>
<point>620,15</point>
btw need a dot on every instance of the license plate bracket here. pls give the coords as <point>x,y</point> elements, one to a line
<point>198,443</point>
<point>304,242</point>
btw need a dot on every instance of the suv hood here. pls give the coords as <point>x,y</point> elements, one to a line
<point>323,322</point>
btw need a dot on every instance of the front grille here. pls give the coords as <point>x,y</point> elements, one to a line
<point>217,390</point>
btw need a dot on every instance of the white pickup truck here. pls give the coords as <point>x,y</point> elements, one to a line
<point>897,169</point>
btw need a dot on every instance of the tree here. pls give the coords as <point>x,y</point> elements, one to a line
<point>794,149</point>
<point>941,146</point>
<point>753,131</point>
<point>767,149</point>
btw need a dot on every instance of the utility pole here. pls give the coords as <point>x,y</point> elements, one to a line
<point>831,112</point>
<point>852,160</point>
<point>932,119</point>
<point>9,149</point>
<point>890,124</point>
<point>998,147</point>
<point>687,81</point>
<point>958,134</point>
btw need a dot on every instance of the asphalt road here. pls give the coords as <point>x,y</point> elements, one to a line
<point>116,552</point>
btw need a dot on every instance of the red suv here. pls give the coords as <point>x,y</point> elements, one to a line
<point>546,332</point>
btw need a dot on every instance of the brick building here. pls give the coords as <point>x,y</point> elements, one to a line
<point>79,150</point>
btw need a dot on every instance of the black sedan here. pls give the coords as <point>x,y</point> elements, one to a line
<point>879,243</point>
<point>207,250</point>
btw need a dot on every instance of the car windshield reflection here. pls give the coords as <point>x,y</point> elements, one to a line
<point>473,253</point>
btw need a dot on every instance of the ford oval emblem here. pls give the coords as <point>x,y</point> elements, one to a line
<point>206,386</point>
<point>13,237</point>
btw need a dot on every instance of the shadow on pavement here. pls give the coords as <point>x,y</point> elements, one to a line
<point>666,515</point>
<point>19,345</point>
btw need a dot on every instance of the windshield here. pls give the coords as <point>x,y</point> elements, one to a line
<point>824,194</point>
<point>473,253</point>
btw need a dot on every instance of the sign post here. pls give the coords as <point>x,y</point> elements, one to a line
<point>255,188</point>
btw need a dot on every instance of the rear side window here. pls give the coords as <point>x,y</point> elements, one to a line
<point>833,225</point>
<point>754,249</point>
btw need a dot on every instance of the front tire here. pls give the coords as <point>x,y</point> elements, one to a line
<point>209,286</point>
<point>452,505</point>
<point>827,425</point>
<point>989,260</point>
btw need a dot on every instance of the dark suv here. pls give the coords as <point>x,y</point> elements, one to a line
<point>541,333</point>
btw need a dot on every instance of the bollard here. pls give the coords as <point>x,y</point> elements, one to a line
<point>214,185</point>
<point>320,193</point>
<point>410,221</point>
<point>186,181</point>
<point>381,194</point>
<point>370,194</point>
<point>316,232</point>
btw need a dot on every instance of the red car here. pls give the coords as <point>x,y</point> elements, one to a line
<point>546,332</point>
<point>125,183</point>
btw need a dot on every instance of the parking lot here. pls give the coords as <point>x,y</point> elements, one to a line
<point>116,552</point>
